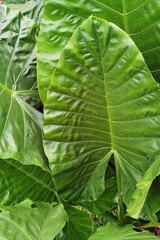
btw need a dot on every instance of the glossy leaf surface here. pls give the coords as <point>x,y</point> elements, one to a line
<point>139,18</point>
<point>113,232</point>
<point>25,221</point>
<point>102,101</point>
<point>32,9</point>
<point>20,125</point>
<point>18,182</point>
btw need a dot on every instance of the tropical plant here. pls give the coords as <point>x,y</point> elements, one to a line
<point>91,158</point>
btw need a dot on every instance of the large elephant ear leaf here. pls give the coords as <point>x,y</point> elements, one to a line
<point>102,102</point>
<point>20,124</point>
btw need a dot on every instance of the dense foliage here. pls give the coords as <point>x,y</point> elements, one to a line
<point>85,154</point>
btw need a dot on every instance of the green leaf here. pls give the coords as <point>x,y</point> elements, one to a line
<point>79,225</point>
<point>102,101</point>
<point>25,221</point>
<point>113,232</point>
<point>143,187</point>
<point>20,125</point>
<point>139,18</point>
<point>18,182</point>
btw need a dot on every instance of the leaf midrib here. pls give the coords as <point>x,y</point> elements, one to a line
<point>107,97</point>
<point>4,88</point>
<point>125,18</point>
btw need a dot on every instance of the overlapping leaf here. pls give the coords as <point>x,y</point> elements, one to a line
<point>18,182</point>
<point>139,18</point>
<point>27,221</point>
<point>113,232</point>
<point>20,125</point>
<point>143,187</point>
<point>109,198</point>
<point>102,101</point>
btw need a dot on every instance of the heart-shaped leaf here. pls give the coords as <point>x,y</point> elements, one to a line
<point>102,101</point>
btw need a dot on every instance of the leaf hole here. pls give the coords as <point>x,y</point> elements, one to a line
<point>34,205</point>
<point>137,229</point>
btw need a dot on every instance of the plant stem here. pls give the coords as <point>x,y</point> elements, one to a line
<point>121,207</point>
<point>125,17</point>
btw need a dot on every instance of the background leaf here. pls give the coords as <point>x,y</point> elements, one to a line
<point>20,125</point>
<point>28,221</point>
<point>139,18</point>
<point>102,101</point>
<point>113,232</point>
<point>109,198</point>
<point>151,206</point>
<point>79,224</point>
<point>18,182</point>
<point>32,9</point>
